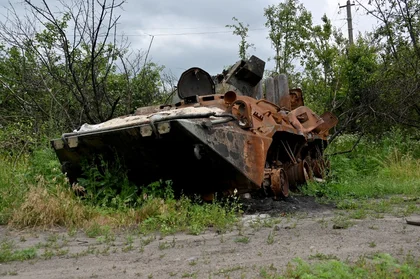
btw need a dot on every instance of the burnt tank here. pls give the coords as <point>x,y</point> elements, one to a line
<point>224,133</point>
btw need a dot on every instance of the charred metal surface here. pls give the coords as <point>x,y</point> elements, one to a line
<point>277,91</point>
<point>216,137</point>
<point>244,76</point>
<point>195,81</point>
<point>298,173</point>
<point>245,152</point>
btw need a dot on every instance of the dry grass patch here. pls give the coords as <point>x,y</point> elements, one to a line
<point>45,207</point>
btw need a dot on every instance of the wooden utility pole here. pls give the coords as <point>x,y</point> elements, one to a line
<point>349,20</point>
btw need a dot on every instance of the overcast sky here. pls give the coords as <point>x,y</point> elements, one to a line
<point>189,33</point>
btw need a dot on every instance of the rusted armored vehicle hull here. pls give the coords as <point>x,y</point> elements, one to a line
<point>218,137</point>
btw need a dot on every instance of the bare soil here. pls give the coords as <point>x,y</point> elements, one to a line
<point>271,234</point>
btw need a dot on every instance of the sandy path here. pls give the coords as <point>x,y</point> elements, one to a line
<point>241,253</point>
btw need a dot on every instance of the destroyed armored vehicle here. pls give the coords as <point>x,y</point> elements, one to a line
<point>220,135</point>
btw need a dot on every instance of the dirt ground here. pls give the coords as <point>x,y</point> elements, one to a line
<point>271,234</point>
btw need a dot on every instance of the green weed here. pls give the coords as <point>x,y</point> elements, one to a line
<point>166,245</point>
<point>227,270</point>
<point>341,222</point>
<point>147,240</point>
<point>380,266</point>
<point>270,238</point>
<point>358,214</point>
<point>107,185</point>
<point>96,230</point>
<point>8,252</point>
<point>189,275</point>
<point>186,215</point>
<point>243,239</point>
<point>376,267</point>
<point>323,257</point>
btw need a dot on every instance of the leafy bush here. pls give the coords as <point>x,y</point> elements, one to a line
<point>108,185</point>
<point>43,163</point>
<point>17,139</point>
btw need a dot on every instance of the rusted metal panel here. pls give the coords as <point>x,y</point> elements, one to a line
<point>296,98</point>
<point>329,121</point>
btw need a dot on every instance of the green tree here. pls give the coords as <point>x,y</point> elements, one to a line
<point>321,78</point>
<point>289,29</point>
<point>397,40</point>
<point>69,72</point>
<point>241,30</point>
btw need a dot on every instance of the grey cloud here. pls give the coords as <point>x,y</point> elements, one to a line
<point>210,51</point>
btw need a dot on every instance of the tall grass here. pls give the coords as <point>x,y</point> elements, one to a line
<point>11,191</point>
<point>45,208</point>
<point>375,169</point>
<point>34,193</point>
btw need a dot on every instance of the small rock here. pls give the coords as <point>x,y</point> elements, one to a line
<point>264,216</point>
<point>246,196</point>
<point>276,228</point>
